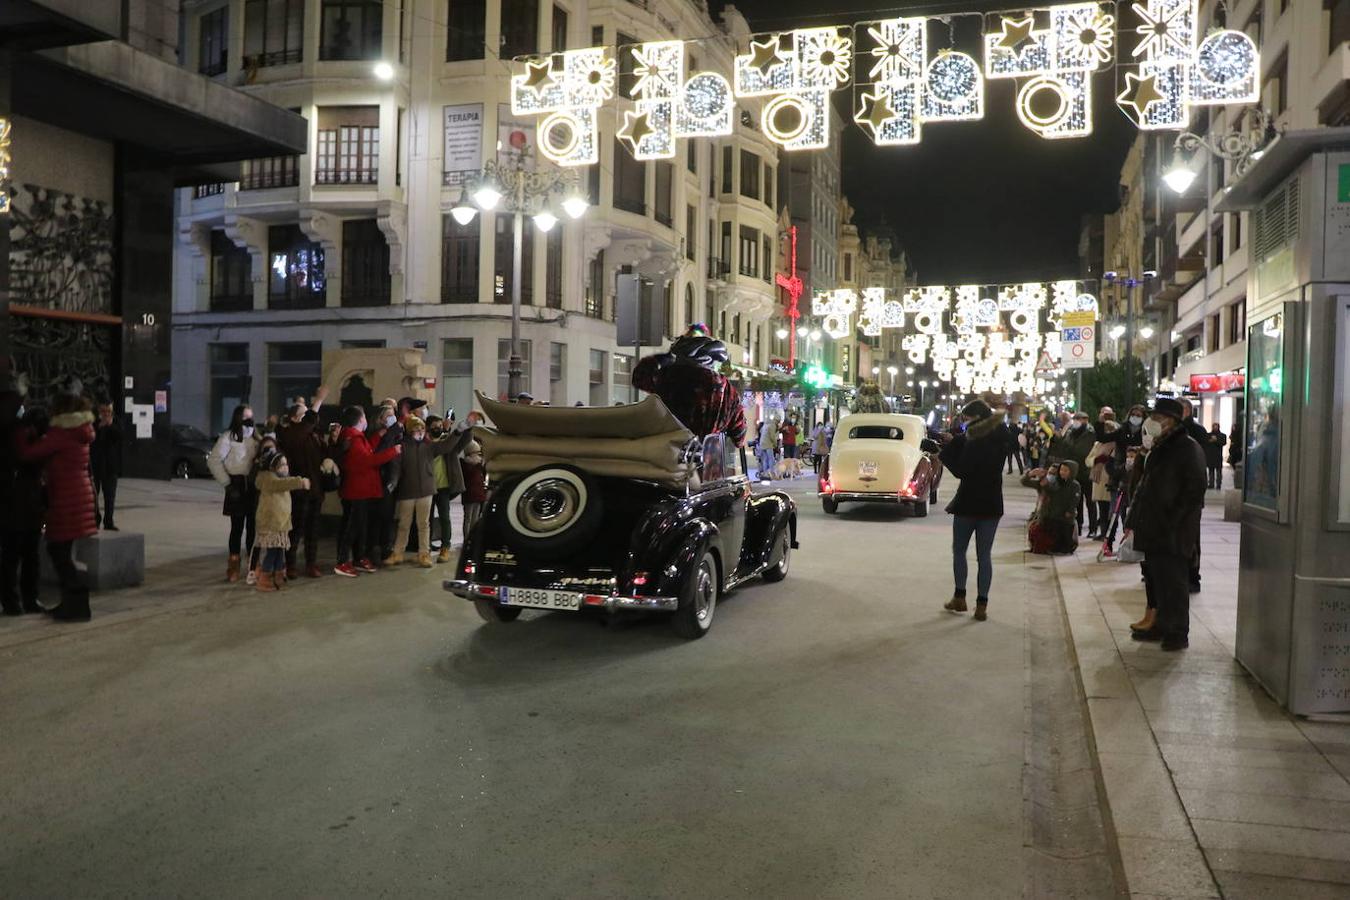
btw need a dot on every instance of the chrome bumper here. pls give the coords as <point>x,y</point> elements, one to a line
<point>868,498</point>
<point>471,591</point>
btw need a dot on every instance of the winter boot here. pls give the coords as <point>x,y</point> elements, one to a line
<point>74,606</point>
<point>444,555</point>
<point>1144,624</point>
<point>957,604</point>
<point>232,568</point>
<point>393,559</point>
<point>279,578</point>
<point>424,560</point>
<point>981,610</point>
<point>264,582</point>
<point>312,571</point>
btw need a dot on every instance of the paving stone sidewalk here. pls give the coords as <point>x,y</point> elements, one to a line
<point>1214,791</point>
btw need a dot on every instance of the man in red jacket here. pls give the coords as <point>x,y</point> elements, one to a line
<point>361,492</point>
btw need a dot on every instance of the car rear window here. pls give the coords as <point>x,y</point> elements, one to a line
<point>876,432</point>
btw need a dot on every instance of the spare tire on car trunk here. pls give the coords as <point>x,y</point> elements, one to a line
<point>550,512</point>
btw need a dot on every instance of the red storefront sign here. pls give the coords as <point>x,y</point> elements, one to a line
<point>1204,384</point>
<point>1232,381</point>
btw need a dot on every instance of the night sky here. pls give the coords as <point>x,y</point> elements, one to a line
<point>975,202</point>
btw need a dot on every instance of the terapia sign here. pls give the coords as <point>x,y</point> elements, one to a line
<point>906,73</point>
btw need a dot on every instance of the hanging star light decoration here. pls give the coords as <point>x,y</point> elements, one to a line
<point>567,89</point>
<point>636,126</point>
<point>669,106</point>
<point>1167,30</point>
<point>1140,92</point>
<point>887,102</point>
<point>798,81</point>
<point>765,55</point>
<point>875,113</point>
<point>1015,33</point>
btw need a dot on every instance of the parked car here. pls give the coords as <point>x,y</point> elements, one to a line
<point>190,449</point>
<point>618,508</point>
<point>880,458</point>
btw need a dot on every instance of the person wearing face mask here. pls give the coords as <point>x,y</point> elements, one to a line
<point>1165,520</point>
<point>449,478</point>
<point>1074,445</point>
<point>361,492</point>
<point>417,485</point>
<point>305,454</point>
<point>275,484</point>
<point>1052,526</point>
<point>230,462</point>
<point>974,453</point>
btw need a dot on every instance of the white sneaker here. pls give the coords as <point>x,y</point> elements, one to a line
<point>252,577</point>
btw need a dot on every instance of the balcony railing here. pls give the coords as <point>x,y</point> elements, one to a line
<point>630,204</point>
<point>202,191</point>
<point>274,58</point>
<point>346,176</point>
<point>718,269</point>
<point>750,271</point>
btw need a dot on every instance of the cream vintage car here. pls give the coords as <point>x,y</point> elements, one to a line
<point>879,458</point>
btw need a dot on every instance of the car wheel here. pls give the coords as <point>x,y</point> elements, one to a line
<point>491,612</point>
<point>919,508</point>
<point>830,505</point>
<point>779,572</point>
<point>551,512</point>
<point>698,600</point>
<point>182,469</point>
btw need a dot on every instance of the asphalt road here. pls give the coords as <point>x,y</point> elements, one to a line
<point>835,736</point>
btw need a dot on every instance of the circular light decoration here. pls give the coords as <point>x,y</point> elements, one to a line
<point>928,323</point>
<point>953,78</point>
<point>707,94</point>
<point>1226,58</point>
<point>837,325</point>
<point>559,135</point>
<point>786,117</point>
<point>1043,102</point>
<point>1023,321</point>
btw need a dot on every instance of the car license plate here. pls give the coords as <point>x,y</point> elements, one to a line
<point>540,599</point>
<point>867,470</point>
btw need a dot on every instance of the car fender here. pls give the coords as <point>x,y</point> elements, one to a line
<point>769,513</point>
<point>669,552</point>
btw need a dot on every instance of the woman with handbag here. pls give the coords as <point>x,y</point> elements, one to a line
<point>230,462</point>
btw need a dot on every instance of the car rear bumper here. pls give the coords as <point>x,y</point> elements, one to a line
<point>470,590</point>
<point>865,497</point>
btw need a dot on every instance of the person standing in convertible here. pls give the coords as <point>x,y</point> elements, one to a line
<point>687,380</point>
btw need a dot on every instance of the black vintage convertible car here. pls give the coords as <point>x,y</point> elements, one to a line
<point>613,509</point>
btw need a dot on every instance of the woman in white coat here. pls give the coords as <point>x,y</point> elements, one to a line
<point>230,462</point>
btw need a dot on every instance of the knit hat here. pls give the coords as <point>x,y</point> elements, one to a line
<point>1169,407</point>
<point>977,409</point>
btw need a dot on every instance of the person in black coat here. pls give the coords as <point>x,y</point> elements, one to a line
<point>1215,441</point>
<point>1199,435</point>
<point>974,452</point>
<point>105,465</point>
<point>1165,519</point>
<point>21,498</point>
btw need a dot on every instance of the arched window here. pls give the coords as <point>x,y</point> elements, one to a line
<point>689,317</point>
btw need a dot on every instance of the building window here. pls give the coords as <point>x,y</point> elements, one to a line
<point>1339,20</point>
<point>459,260</point>
<point>767,269</point>
<point>1277,84</point>
<point>365,264</point>
<point>503,262</point>
<point>848,266</point>
<point>349,145</point>
<point>628,64</point>
<point>231,275</point>
<point>559,29</point>
<point>691,157</point>
<point>690,315</point>
<point>520,28</point>
<point>229,380</point>
<point>727,186</point>
<point>1212,334</point>
<point>690,232</point>
<point>295,270</point>
<point>749,260</point>
<point>749,174</point>
<point>504,363</point>
<point>293,370</point>
<point>212,32</point>
<point>595,287</point>
<point>467,33</point>
<point>1216,244</point>
<point>363,344</point>
<point>1236,230</point>
<point>630,182</point>
<point>665,184</point>
<point>623,377</point>
<point>269,172</point>
<point>457,374</point>
<point>597,35</point>
<point>712,169</point>
<point>553,269</point>
<point>596,378</point>
<point>768,185</point>
<point>273,32</point>
<point>557,374</point>
<point>351,29</point>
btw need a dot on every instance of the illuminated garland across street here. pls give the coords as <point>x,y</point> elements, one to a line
<point>979,337</point>
<point>1050,52</point>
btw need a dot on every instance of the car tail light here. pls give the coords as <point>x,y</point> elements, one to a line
<point>594,600</point>
<point>468,568</point>
<point>487,590</point>
<point>639,579</point>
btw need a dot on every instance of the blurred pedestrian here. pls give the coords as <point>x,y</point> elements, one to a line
<point>1052,527</point>
<point>69,516</point>
<point>305,455</point>
<point>475,486</point>
<point>820,442</point>
<point>275,485</point>
<point>1165,520</point>
<point>416,487</point>
<point>21,498</point>
<point>230,462</point>
<point>1073,444</point>
<point>361,491</point>
<point>974,452</point>
<point>105,464</point>
<point>1213,446</point>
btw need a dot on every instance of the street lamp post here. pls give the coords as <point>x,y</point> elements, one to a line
<point>1129,282</point>
<point>1241,146</point>
<point>522,187</point>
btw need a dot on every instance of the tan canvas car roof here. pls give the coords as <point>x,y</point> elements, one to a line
<point>640,440</point>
